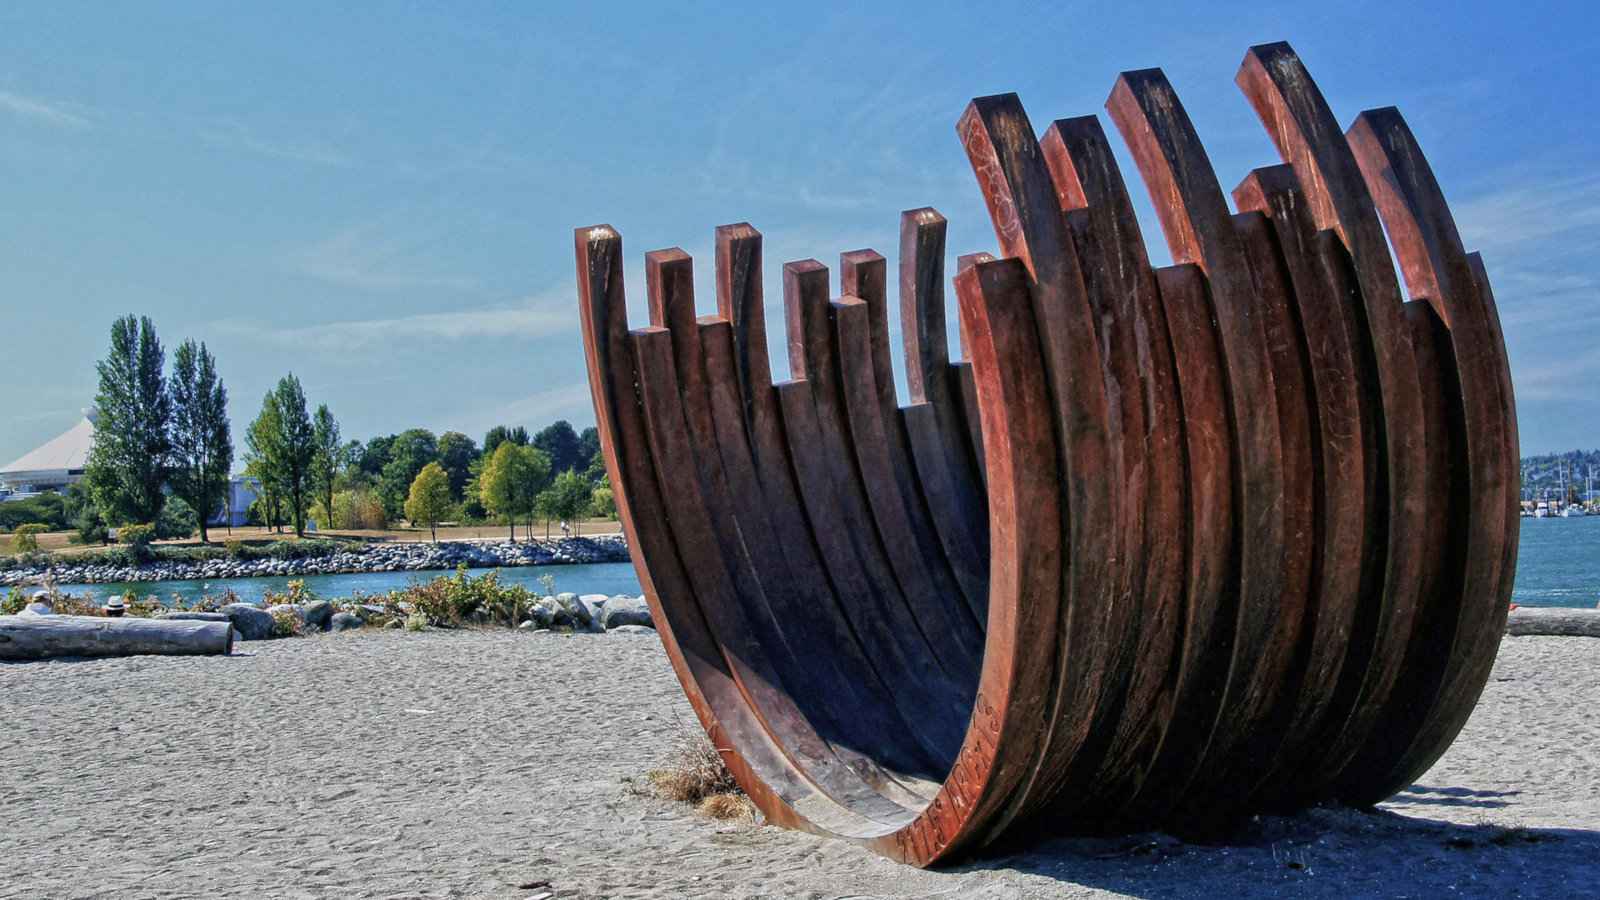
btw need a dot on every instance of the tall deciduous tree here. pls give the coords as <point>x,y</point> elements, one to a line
<point>456,455</point>
<point>566,499</point>
<point>408,453</point>
<point>375,454</point>
<point>261,458</point>
<point>560,442</point>
<point>589,450</point>
<point>493,438</point>
<point>128,461</point>
<point>325,458</point>
<point>202,443</point>
<point>511,482</point>
<point>296,446</point>
<point>429,498</point>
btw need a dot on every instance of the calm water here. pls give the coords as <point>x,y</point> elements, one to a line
<point>598,578</point>
<point>1558,565</point>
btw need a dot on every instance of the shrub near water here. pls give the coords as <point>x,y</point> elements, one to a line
<point>137,539</point>
<point>452,600</point>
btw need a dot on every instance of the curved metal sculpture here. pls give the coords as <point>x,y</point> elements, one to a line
<point>1176,545</point>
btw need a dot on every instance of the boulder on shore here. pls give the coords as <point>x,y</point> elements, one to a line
<point>592,606</point>
<point>631,629</point>
<point>254,624</point>
<point>580,614</point>
<point>343,621</point>
<point>541,615</point>
<point>623,611</point>
<point>318,614</point>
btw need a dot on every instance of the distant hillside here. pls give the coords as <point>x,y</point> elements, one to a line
<point>1541,475</point>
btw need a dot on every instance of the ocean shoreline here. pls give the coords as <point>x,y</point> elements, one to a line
<point>383,557</point>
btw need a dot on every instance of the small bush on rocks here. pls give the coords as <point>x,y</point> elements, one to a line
<point>285,624</point>
<point>145,607</point>
<point>234,549</point>
<point>13,603</point>
<point>296,595</point>
<point>416,622</point>
<point>449,601</point>
<point>308,549</point>
<point>120,556</point>
<point>188,554</point>
<point>136,539</point>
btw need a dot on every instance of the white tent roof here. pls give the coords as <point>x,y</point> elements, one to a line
<point>69,451</point>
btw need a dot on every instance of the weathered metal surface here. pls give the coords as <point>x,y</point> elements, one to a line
<point>1166,548</point>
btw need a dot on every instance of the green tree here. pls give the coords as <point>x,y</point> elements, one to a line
<point>202,442</point>
<point>456,455</point>
<point>567,498</point>
<point>262,453</point>
<point>511,481</point>
<point>374,455</point>
<point>296,446</point>
<point>26,538</point>
<point>560,442</point>
<point>127,464</point>
<point>589,449</point>
<point>325,458</point>
<point>408,453</point>
<point>602,500</point>
<point>500,433</point>
<point>429,499</point>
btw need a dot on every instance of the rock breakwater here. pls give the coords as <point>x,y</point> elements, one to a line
<point>383,557</point>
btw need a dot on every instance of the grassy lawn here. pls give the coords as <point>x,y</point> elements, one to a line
<point>57,541</point>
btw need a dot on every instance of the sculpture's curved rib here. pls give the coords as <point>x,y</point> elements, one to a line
<point>1436,269</point>
<point>1194,216</point>
<point>1141,386</point>
<point>1298,120</point>
<point>1327,325</point>
<point>1165,551</point>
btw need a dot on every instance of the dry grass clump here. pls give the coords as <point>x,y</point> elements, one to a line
<point>696,774</point>
<point>728,806</point>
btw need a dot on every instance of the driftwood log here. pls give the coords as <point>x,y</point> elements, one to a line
<point>1560,622</point>
<point>1171,546</point>
<point>34,637</point>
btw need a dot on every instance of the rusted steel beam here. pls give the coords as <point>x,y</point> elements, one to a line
<point>1167,548</point>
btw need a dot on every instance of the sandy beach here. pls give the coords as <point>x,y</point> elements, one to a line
<point>495,764</point>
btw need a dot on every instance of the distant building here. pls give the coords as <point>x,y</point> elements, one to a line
<point>242,491</point>
<point>54,466</point>
<point>58,464</point>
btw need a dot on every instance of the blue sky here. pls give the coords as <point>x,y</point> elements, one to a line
<point>381,198</point>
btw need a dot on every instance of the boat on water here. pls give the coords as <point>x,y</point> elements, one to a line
<point>1574,511</point>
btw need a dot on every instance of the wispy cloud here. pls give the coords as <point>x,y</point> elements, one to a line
<point>1559,378</point>
<point>1536,226</point>
<point>235,136</point>
<point>1534,208</point>
<point>42,111</point>
<point>374,256</point>
<point>570,400</point>
<point>531,319</point>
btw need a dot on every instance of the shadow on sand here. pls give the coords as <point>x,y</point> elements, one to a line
<point>1334,852</point>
